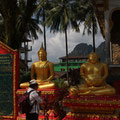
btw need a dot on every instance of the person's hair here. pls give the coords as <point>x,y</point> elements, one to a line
<point>33,85</point>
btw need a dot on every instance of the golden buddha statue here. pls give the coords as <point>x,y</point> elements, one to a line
<point>94,74</point>
<point>42,71</point>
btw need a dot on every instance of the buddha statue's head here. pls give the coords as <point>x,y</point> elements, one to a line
<point>93,58</point>
<point>42,54</point>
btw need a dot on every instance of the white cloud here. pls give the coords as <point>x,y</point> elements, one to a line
<point>56,44</point>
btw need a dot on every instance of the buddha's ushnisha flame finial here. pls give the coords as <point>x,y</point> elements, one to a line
<point>42,49</point>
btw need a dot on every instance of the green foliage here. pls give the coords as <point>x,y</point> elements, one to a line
<point>61,16</point>
<point>18,22</point>
<point>60,83</point>
<point>85,13</point>
<point>24,76</point>
<point>2,29</point>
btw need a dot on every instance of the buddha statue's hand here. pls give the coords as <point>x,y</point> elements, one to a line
<point>89,82</point>
<point>48,81</point>
<point>73,90</point>
<point>99,81</point>
<point>43,81</point>
<point>94,80</point>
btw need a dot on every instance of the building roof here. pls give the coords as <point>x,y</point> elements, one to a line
<point>74,57</point>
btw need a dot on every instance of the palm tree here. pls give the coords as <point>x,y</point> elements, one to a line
<point>8,13</point>
<point>84,12</point>
<point>26,23</point>
<point>93,22</point>
<point>18,21</point>
<point>90,22</point>
<point>2,30</point>
<point>61,17</point>
<point>18,24</point>
<point>43,6</point>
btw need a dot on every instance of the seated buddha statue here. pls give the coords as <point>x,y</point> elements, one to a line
<point>42,71</point>
<point>94,74</point>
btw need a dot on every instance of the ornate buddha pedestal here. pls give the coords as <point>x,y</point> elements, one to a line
<point>49,96</point>
<point>91,107</point>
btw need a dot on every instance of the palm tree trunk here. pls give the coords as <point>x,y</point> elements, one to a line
<point>44,36</point>
<point>66,54</point>
<point>93,33</point>
<point>44,28</point>
<point>10,34</point>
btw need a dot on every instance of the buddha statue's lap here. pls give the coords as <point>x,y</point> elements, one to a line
<point>94,74</point>
<point>43,70</point>
<point>45,85</point>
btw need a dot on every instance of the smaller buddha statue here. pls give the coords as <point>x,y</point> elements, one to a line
<point>94,74</point>
<point>42,71</point>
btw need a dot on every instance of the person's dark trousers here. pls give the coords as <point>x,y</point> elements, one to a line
<point>31,116</point>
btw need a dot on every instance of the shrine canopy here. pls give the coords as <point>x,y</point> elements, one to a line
<point>4,49</point>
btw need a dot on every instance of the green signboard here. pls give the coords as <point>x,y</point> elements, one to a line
<point>6,84</point>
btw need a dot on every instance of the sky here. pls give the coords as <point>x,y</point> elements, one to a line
<point>56,44</point>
